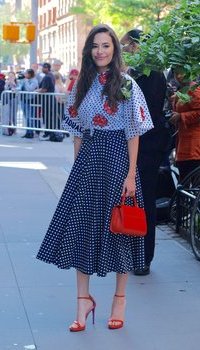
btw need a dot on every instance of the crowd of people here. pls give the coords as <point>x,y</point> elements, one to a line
<point>39,110</point>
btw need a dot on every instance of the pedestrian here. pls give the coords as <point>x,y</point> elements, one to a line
<point>47,86</point>
<point>10,104</point>
<point>37,70</point>
<point>60,99</point>
<point>56,67</point>
<point>152,146</point>
<point>186,117</point>
<point>2,83</point>
<point>30,84</point>
<point>106,112</point>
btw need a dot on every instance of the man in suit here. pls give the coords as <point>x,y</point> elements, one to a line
<point>152,145</point>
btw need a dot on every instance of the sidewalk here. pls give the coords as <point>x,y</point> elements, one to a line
<point>38,301</point>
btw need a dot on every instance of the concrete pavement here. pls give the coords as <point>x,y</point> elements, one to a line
<point>38,301</point>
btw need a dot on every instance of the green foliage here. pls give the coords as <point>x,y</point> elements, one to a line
<point>123,15</point>
<point>173,42</point>
<point>10,50</point>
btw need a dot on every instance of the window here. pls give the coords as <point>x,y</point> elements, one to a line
<point>44,20</point>
<point>40,22</point>
<point>49,18</point>
<point>54,15</point>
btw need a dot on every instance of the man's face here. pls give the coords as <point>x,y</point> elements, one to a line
<point>128,45</point>
<point>34,66</point>
<point>56,67</point>
<point>45,70</point>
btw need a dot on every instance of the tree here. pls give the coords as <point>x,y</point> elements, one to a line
<point>9,51</point>
<point>173,42</point>
<point>125,14</point>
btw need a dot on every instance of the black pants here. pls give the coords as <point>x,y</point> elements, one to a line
<point>150,156</point>
<point>186,166</point>
<point>49,113</point>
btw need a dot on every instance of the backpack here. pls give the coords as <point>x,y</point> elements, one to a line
<point>56,136</point>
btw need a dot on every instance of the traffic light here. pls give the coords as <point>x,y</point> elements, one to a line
<point>11,32</point>
<point>30,32</point>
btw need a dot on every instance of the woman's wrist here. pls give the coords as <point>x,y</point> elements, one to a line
<point>131,174</point>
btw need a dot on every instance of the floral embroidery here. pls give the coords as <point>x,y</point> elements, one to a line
<point>100,120</point>
<point>103,78</point>
<point>72,111</point>
<point>110,110</point>
<point>142,113</point>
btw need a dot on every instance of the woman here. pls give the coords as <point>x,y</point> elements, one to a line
<point>10,104</point>
<point>30,84</point>
<point>106,121</point>
<point>186,117</point>
<point>60,89</point>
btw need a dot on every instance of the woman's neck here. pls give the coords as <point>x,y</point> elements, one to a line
<point>101,70</point>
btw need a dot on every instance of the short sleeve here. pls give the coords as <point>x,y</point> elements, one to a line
<point>71,120</point>
<point>45,84</point>
<point>136,113</point>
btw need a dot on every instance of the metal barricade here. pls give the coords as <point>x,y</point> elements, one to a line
<point>32,111</point>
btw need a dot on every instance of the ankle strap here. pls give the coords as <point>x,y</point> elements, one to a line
<point>119,296</point>
<point>86,298</point>
<point>83,298</point>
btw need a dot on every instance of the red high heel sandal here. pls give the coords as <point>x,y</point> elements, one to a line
<point>112,322</point>
<point>79,327</point>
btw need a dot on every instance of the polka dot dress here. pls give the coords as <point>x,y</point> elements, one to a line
<point>78,235</point>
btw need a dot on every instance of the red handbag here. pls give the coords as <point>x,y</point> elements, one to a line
<point>128,220</point>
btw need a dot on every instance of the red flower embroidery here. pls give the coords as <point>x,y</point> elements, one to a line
<point>142,113</point>
<point>110,110</point>
<point>73,111</point>
<point>103,78</point>
<point>100,120</point>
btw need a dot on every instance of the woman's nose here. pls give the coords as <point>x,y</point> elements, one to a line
<point>100,49</point>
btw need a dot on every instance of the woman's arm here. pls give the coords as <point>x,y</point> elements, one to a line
<point>129,183</point>
<point>77,145</point>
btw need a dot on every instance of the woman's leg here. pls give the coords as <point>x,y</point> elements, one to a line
<point>83,305</point>
<point>121,281</point>
<point>119,300</point>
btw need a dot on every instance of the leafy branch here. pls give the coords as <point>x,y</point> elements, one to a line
<point>173,42</point>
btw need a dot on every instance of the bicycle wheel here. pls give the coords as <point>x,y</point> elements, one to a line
<point>195,228</point>
<point>191,183</point>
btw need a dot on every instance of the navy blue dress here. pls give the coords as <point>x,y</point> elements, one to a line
<point>78,235</point>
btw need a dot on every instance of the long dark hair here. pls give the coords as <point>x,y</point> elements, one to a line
<point>89,70</point>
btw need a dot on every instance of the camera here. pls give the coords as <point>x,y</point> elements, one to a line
<point>20,75</point>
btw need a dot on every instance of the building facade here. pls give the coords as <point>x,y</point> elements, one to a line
<point>19,4</point>
<point>61,34</point>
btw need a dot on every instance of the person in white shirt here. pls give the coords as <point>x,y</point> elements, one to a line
<point>30,84</point>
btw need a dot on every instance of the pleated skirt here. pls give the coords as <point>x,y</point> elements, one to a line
<point>79,235</point>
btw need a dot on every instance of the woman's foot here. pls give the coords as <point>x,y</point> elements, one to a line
<point>116,320</point>
<point>85,306</point>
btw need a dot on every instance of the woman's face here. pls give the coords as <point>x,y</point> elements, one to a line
<point>179,76</point>
<point>11,76</point>
<point>102,51</point>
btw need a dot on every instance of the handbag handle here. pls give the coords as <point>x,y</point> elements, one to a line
<point>123,199</point>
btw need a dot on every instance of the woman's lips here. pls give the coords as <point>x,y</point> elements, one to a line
<point>100,58</point>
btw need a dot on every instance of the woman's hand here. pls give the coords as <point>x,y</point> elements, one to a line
<point>175,118</point>
<point>129,186</point>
